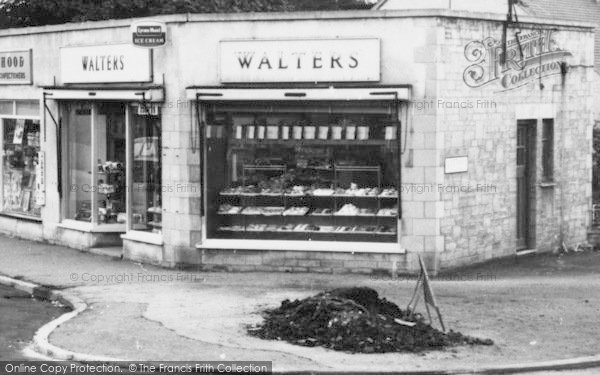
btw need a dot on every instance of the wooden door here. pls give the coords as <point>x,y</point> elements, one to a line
<point>525,131</point>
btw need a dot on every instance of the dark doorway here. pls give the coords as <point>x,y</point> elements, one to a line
<point>525,153</point>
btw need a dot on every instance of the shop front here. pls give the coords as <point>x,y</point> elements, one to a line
<point>296,165</point>
<point>300,142</point>
<point>21,167</point>
<point>109,145</point>
<point>301,168</point>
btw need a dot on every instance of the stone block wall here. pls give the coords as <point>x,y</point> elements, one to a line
<point>480,206</point>
<point>307,261</point>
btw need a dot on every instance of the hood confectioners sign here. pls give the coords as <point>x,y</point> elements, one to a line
<point>105,63</point>
<point>320,60</point>
<point>15,68</point>
<point>541,57</point>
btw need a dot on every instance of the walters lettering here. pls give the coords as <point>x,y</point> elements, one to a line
<point>102,63</point>
<point>251,60</point>
<point>300,60</point>
<point>540,57</point>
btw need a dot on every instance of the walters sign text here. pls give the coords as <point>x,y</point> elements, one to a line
<point>540,57</point>
<point>105,63</point>
<point>322,60</point>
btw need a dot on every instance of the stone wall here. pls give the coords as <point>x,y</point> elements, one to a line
<point>480,205</point>
<point>307,261</point>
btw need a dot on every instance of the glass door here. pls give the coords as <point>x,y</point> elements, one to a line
<point>78,161</point>
<point>146,205</point>
<point>95,163</point>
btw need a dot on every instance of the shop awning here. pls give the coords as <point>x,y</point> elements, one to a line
<point>147,94</point>
<point>281,94</point>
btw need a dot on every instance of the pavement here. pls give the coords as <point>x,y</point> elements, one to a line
<point>540,311</point>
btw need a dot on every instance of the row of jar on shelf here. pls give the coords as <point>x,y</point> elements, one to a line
<point>298,132</point>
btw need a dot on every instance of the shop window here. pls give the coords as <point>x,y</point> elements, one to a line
<point>7,107</point>
<point>27,107</point>
<point>548,150</point>
<point>325,172</point>
<point>20,166</point>
<point>146,192</point>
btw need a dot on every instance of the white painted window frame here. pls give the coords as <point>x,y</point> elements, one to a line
<point>197,95</point>
<point>126,229</point>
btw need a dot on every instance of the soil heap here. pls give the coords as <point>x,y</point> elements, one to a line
<point>355,320</point>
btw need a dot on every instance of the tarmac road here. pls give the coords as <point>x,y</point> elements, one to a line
<point>21,317</point>
<point>538,308</point>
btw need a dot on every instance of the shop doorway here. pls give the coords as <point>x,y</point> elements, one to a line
<point>525,155</point>
<point>111,164</point>
<point>95,163</point>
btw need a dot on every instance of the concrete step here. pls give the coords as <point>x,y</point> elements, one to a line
<point>115,252</point>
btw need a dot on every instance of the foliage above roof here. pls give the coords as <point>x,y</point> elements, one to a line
<point>21,13</point>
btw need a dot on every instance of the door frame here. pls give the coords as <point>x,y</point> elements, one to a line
<point>525,216</point>
<point>64,107</point>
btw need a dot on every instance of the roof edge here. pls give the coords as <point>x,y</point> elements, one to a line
<point>278,16</point>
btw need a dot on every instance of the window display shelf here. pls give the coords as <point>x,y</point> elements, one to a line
<point>257,215</point>
<point>342,230</point>
<point>155,224</point>
<point>346,196</point>
<point>240,143</point>
<point>265,167</point>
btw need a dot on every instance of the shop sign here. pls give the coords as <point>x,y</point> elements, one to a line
<point>15,68</point>
<point>149,33</point>
<point>105,63</point>
<point>541,56</point>
<point>318,60</point>
<point>149,109</point>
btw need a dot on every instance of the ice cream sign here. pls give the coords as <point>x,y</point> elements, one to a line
<point>105,63</point>
<point>320,60</point>
<point>535,55</point>
<point>148,33</point>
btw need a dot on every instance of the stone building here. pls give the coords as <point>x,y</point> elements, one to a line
<point>321,142</point>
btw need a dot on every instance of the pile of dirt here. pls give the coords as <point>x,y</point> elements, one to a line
<point>355,320</point>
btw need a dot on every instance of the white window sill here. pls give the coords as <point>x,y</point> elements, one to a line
<point>15,215</point>
<point>343,247</point>
<point>91,228</point>
<point>146,237</point>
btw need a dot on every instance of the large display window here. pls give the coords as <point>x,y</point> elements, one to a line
<point>20,166</point>
<point>303,171</point>
<point>112,173</point>
<point>20,149</point>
